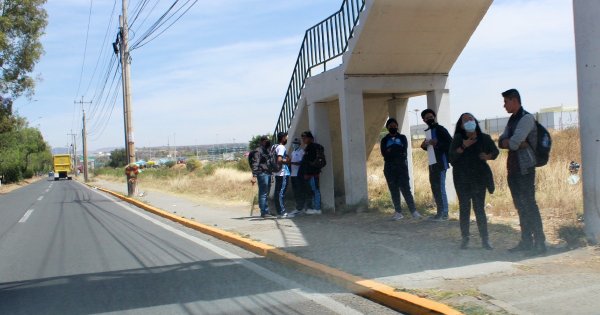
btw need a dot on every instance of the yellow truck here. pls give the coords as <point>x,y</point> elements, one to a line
<point>62,166</point>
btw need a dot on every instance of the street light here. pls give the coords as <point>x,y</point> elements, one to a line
<point>416,110</point>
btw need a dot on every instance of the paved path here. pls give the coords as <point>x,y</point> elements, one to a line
<point>66,249</point>
<point>418,255</point>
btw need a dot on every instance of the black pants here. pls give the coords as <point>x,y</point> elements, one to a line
<point>522,189</point>
<point>300,191</point>
<point>472,194</point>
<point>398,181</point>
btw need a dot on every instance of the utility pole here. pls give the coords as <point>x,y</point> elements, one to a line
<point>122,46</point>
<point>84,140</point>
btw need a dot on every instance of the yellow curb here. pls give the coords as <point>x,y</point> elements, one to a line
<point>373,290</point>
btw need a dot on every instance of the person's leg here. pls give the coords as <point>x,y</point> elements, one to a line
<point>407,193</point>
<point>278,183</point>
<point>392,178</point>
<point>297,186</point>
<point>532,212</point>
<point>263,181</point>
<point>514,184</point>
<point>281,193</point>
<point>479,208</point>
<point>443,194</point>
<point>434,182</point>
<point>464,205</point>
<point>314,186</point>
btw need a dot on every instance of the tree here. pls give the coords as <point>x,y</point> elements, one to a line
<point>255,141</point>
<point>118,158</point>
<point>22,23</point>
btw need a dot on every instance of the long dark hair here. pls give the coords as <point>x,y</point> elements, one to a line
<point>461,131</point>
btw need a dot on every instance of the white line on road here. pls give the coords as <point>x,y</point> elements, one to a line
<point>26,216</point>
<point>321,299</point>
<point>40,198</point>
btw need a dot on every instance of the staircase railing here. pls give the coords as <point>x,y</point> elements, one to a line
<point>323,42</point>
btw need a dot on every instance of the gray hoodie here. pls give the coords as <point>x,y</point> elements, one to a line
<point>521,127</point>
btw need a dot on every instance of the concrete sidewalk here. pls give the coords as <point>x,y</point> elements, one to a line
<point>419,256</point>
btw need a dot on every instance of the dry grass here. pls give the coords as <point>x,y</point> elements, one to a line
<point>557,199</point>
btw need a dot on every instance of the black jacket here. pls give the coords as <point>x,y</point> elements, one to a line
<point>310,155</point>
<point>259,161</point>
<point>442,146</point>
<point>394,149</point>
<point>467,167</point>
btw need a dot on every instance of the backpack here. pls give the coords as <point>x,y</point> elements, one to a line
<point>272,164</point>
<point>544,144</point>
<point>319,161</point>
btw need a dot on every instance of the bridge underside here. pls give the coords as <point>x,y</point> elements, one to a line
<point>400,49</point>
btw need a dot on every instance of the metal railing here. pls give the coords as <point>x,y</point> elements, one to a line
<point>323,42</point>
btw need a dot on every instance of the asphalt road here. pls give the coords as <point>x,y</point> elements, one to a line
<point>67,249</point>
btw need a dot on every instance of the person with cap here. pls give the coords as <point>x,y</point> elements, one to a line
<point>310,172</point>
<point>394,149</point>
<point>282,176</point>
<point>440,141</point>
<point>297,178</point>
<point>261,175</point>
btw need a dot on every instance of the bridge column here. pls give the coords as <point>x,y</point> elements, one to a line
<point>397,108</point>
<point>318,120</point>
<point>439,101</point>
<point>354,148</point>
<point>587,44</point>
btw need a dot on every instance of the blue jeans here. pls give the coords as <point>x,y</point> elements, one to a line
<point>264,185</point>
<point>437,180</point>
<point>313,183</point>
<point>281,183</point>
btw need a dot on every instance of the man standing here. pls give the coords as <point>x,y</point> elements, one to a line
<point>297,178</point>
<point>394,149</point>
<point>520,138</point>
<point>311,170</point>
<point>282,177</point>
<point>440,141</point>
<point>261,174</point>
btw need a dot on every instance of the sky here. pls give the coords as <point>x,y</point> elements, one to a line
<point>220,73</point>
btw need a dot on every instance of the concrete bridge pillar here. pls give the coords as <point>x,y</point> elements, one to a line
<point>354,148</point>
<point>397,108</point>
<point>318,120</point>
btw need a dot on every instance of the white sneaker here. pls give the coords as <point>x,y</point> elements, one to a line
<point>294,213</point>
<point>283,216</point>
<point>416,215</point>
<point>397,216</point>
<point>313,211</point>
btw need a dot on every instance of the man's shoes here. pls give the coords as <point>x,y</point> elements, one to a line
<point>521,247</point>
<point>266,215</point>
<point>465,243</point>
<point>284,216</point>
<point>313,211</point>
<point>444,217</point>
<point>538,250</point>
<point>295,213</point>
<point>416,215</point>
<point>397,216</point>
<point>439,217</point>
<point>486,245</point>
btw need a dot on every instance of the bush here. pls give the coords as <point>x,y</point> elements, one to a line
<point>28,173</point>
<point>242,165</point>
<point>12,174</point>
<point>170,164</point>
<point>192,165</point>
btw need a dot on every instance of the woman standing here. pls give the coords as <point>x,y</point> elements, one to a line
<point>469,152</point>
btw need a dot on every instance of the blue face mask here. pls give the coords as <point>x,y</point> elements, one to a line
<point>470,126</point>
<point>295,146</point>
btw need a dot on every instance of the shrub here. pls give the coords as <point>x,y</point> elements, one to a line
<point>12,174</point>
<point>192,165</point>
<point>242,165</point>
<point>170,164</point>
<point>28,173</point>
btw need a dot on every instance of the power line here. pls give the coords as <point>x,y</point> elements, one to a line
<point>87,33</point>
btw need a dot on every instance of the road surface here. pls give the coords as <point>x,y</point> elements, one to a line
<point>67,249</point>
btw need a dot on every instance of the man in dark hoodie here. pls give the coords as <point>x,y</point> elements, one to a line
<point>261,174</point>
<point>440,141</point>
<point>394,149</point>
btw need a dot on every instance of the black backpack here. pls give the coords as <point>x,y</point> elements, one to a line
<point>272,164</point>
<point>544,145</point>
<point>319,161</point>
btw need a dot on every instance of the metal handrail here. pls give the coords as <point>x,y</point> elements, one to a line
<point>323,42</point>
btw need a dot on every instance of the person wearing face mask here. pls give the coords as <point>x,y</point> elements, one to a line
<point>469,152</point>
<point>282,177</point>
<point>394,149</point>
<point>440,141</point>
<point>297,178</point>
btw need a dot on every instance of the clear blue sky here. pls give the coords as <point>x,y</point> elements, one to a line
<point>220,73</point>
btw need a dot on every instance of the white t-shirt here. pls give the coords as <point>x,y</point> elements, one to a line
<point>281,151</point>
<point>297,158</point>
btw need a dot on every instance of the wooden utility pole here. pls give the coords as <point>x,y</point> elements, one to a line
<point>74,144</point>
<point>127,112</point>
<point>85,159</point>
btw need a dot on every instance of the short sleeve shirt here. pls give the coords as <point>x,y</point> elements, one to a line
<point>281,151</point>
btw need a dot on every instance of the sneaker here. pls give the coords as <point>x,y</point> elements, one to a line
<point>416,215</point>
<point>295,213</point>
<point>266,215</point>
<point>521,247</point>
<point>397,216</point>
<point>436,217</point>
<point>444,217</point>
<point>313,211</point>
<point>284,216</point>
<point>464,244</point>
<point>486,245</point>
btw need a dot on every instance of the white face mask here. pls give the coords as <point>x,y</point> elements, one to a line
<point>470,126</point>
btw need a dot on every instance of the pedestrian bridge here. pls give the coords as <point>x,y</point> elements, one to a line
<point>361,65</point>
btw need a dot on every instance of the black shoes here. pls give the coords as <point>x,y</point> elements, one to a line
<point>521,247</point>
<point>465,243</point>
<point>486,245</point>
<point>538,250</point>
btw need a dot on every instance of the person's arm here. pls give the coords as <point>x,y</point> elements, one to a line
<point>405,143</point>
<point>456,149</point>
<point>255,164</point>
<point>382,146</point>
<point>489,149</point>
<point>444,139</point>
<point>524,127</point>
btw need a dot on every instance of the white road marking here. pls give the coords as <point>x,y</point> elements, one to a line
<point>26,216</point>
<point>321,299</point>
<point>40,198</point>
